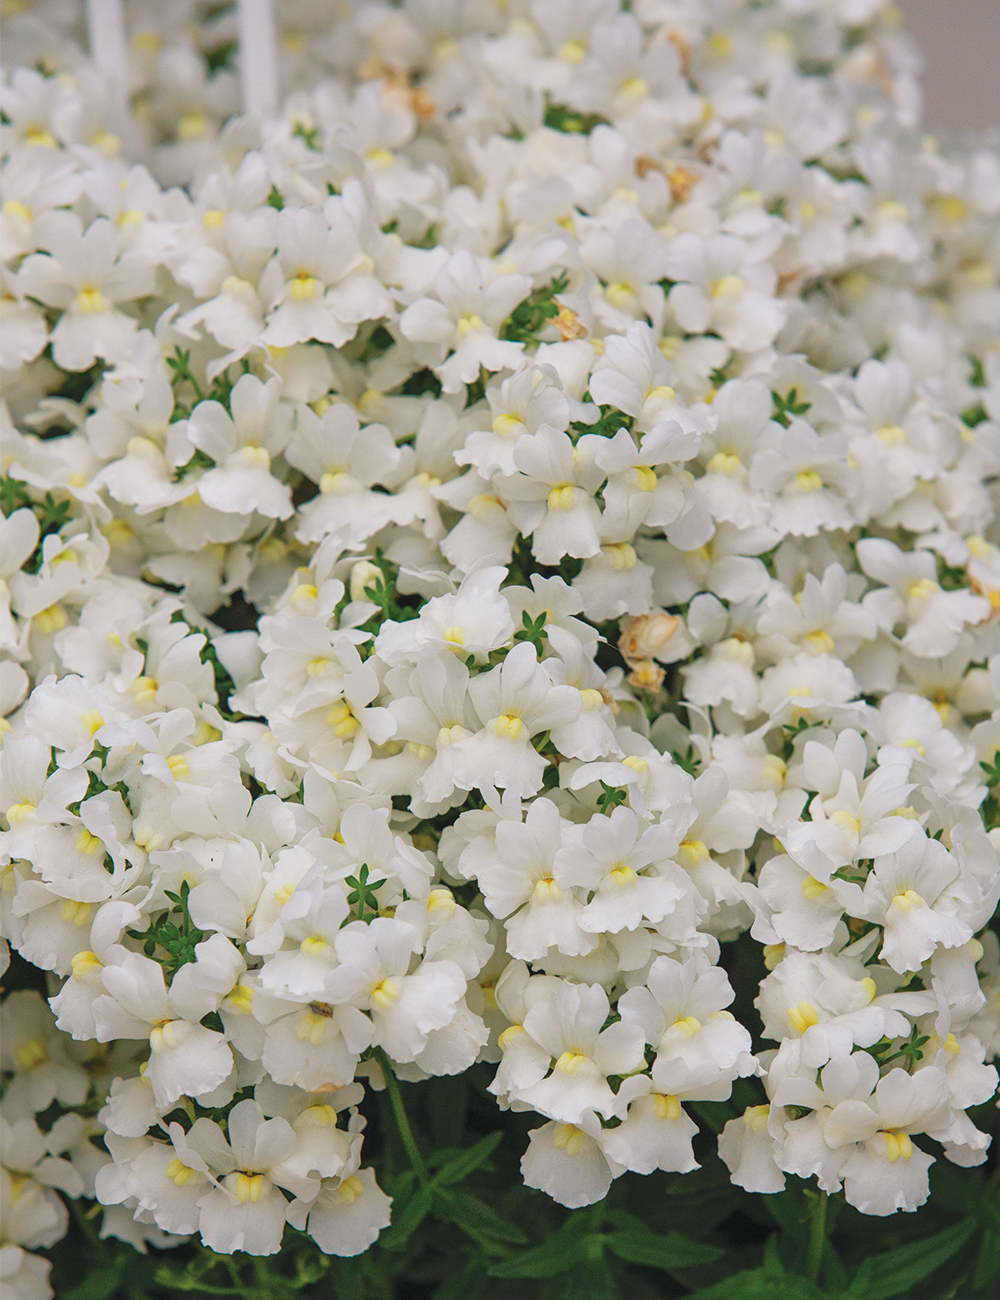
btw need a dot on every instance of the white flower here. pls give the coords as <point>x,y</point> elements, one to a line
<point>186,1058</point>
<point>464,320</point>
<point>344,461</point>
<point>934,618</point>
<point>568,1162</point>
<point>82,273</point>
<point>569,1027</point>
<point>515,702</point>
<point>243,1209</point>
<point>243,444</point>
<point>374,974</point>
<point>681,1014</point>
<point>521,882</point>
<point>720,285</point>
<point>609,858</point>
<point>907,892</point>
<point>552,498</point>
<point>346,1215</point>
<point>885,1171</point>
<point>310,287</point>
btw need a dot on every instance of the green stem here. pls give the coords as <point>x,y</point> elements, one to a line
<point>402,1119</point>
<point>817,1235</point>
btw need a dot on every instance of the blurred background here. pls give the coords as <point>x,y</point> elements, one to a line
<point>960,40</point>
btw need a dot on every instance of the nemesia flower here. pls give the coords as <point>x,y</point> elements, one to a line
<point>500,569</point>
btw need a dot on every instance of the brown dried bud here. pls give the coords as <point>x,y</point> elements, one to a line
<point>568,324</point>
<point>646,636</point>
<point>683,47</point>
<point>646,676</point>
<point>422,104</point>
<point>681,183</point>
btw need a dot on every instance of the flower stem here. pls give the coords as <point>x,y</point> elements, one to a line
<point>402,1119</point>
<point>817,1235</point>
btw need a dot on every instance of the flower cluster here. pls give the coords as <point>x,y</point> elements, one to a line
<point>481,549</point>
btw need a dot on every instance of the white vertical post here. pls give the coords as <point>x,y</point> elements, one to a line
<point>258,57</point>
<point>108,49</point>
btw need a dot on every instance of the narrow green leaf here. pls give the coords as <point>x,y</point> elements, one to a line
<point>896,1271</point>
<point>479,1220</point>
<point>455,1170</point>
<point>101,1282</point>
<point>593,1280</point>
<point>670,1251</point>
<point>408,1220</point>
<point>761,1284</point>
<point>465,1284</point>
<point>555,1256</point>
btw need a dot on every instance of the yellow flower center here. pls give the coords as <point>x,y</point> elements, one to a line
<point>385,993</point>
<point>570,1062</point>
<point>180,1173</point>
<point>350,1189</point>
<point>508,1036</point>
<point>622,556</point>
<point>249,1188</point>
<point>509,726</point>
<point>897,1145</point>
<point>547,891</point>
<point>342,720</point>
<point>667,1106</point>
<point>32,1053</point>
<point>622,874</point>
<point>756,1117</point>
<point>569,1138</point>
<point>803,1017</point>
<point>303,286</point>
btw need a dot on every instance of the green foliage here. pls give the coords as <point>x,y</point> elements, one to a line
<point>221,57</point>
<point>309,135</point>
<point>533,630</point>
<point>973,415</point>
<point>362,897</point>
<point>534,313</point>
<point>897,1271</point>
<point>560,118</point>
<point>788,406</point>
<point>991,804</point>
<point>689,761</point>
<point>51,514</point>
<point>610,421</point>
<point>911,1050</point>
<point>610,797</point>
<point>383,593</point>
<point>171,941</point>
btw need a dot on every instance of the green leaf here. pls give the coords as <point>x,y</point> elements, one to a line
<point>668,1252</point>
<point>455,1170</point>
<point>534,312</point>
<point>761,1284</point>
<point>479,1220</point>
<point>553,1257</point>
<point>101,1282</point>
<point>408,1220</point>
<point>467,1284</point>
<point>593,1280</point>
<point>896,1271</point>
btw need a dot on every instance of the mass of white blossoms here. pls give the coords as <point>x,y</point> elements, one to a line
<point>585,420</point>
